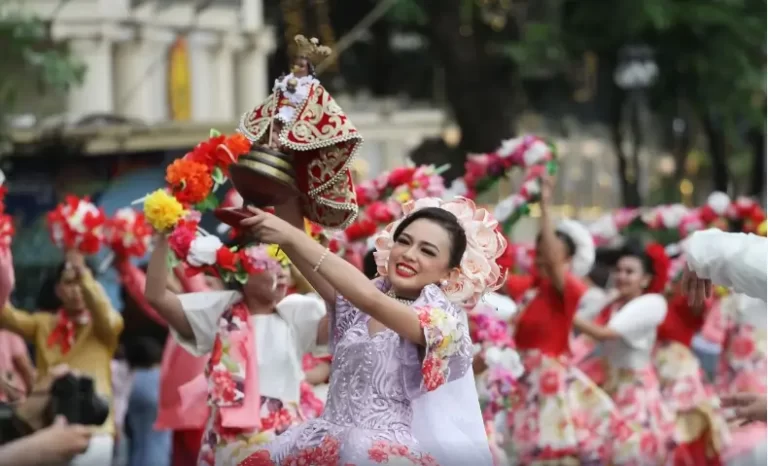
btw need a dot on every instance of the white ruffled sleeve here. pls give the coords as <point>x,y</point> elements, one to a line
<point>736,260</point>
<point>303,313</point>
<point>592,302</point>
<point>203,310</point>
<point>637,320</point>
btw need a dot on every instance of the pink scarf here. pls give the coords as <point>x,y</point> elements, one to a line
<point>230,382</point>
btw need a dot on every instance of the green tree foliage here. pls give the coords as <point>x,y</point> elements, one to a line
<point>711,54</point>
<point>29,55</point>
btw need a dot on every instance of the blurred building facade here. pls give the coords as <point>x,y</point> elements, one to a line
<point>179,67</point>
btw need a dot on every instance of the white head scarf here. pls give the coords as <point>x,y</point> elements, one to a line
<point>584,257</point>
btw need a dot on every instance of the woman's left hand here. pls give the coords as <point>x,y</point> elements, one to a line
<point>267,227</point>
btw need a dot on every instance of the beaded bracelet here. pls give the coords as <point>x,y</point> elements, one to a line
<point>320,262</point>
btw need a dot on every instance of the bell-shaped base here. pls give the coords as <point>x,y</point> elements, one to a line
<point>264,177</point>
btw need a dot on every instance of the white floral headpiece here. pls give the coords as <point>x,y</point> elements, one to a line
<point>478,271</point>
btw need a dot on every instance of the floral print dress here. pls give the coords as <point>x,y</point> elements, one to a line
<point>742,364</point>
<point>279,340</point>
<point>368,415</point>
<point>556,415</point>
<point>624,370</point>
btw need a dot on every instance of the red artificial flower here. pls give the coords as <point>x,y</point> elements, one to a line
<point>230,150</point>
<point>360,230</point>
<point>205,152</point>
<point>226,259</point>
<point>400,176</point>
<point>90,244</point>
<point>248,266</point>
<point>380,212</point>
<point>333,246</point>
<point>361,196</point>
<point>661,264</point>
<point>181,238</point>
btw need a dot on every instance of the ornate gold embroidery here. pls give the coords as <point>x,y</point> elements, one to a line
<point>323,133</point>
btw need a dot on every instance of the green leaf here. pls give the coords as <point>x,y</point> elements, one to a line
<point>214,133</point>
<point>229,364</point>
<point>226,275</point>
<point>218,176</point>
<point>241,277</point>
<point>171,260</point>
<point>209,203</point>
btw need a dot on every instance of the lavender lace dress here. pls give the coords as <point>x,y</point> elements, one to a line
<point>367,418</point>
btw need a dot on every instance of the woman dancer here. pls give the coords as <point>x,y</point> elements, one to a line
<point>626,329</point>
<point>701,431</point>
<point>256,338</point>
<point>556,415</point>
<point>394,340</point>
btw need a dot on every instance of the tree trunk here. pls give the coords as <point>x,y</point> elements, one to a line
<point>383,58</point>
<point>481,89</point>
<point>757,183</point>
<point>630,193</point>
<point>717,151</point>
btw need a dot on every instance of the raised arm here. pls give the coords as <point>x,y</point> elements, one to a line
<point>291,213</point>
<point>735,260</point>
<point>107,323</point>
<point>167,304</point>
<point>548,243</point>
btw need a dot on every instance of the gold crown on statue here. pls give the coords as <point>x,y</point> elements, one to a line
<point>311,49</point>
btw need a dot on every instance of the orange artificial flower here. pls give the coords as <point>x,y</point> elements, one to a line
<point>190,181</point>
<point>230,151</point>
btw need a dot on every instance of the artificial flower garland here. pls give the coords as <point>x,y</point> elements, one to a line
<point>483,171</point>
<point>127,233</point>
<point>77,224</point>
<point>510,209</point>
<point>674,222</point>
<point>6,221</point>
<point>204,253</point>
<point>402,184</point>
<point>175,210</point>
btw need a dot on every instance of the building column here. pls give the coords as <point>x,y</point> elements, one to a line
<point>223,90</point>
<point>142,76</point>
<point>253,81</point>
<point>96,94</point>
<point>252,15</point>
<point>201,65</point>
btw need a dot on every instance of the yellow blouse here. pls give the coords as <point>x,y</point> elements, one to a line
<point>95,342</point>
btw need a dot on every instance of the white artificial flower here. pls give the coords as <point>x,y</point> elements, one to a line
<point>202,251</point>
<point>77,217</point>
<point>672,215</point>
<point>506,358</point>
<point>719,202</point>
<point>538,152</point>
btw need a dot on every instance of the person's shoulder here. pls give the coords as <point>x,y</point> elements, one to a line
<point>298,300</point>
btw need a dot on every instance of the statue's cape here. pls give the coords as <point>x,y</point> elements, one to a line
<point>324,142</point>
